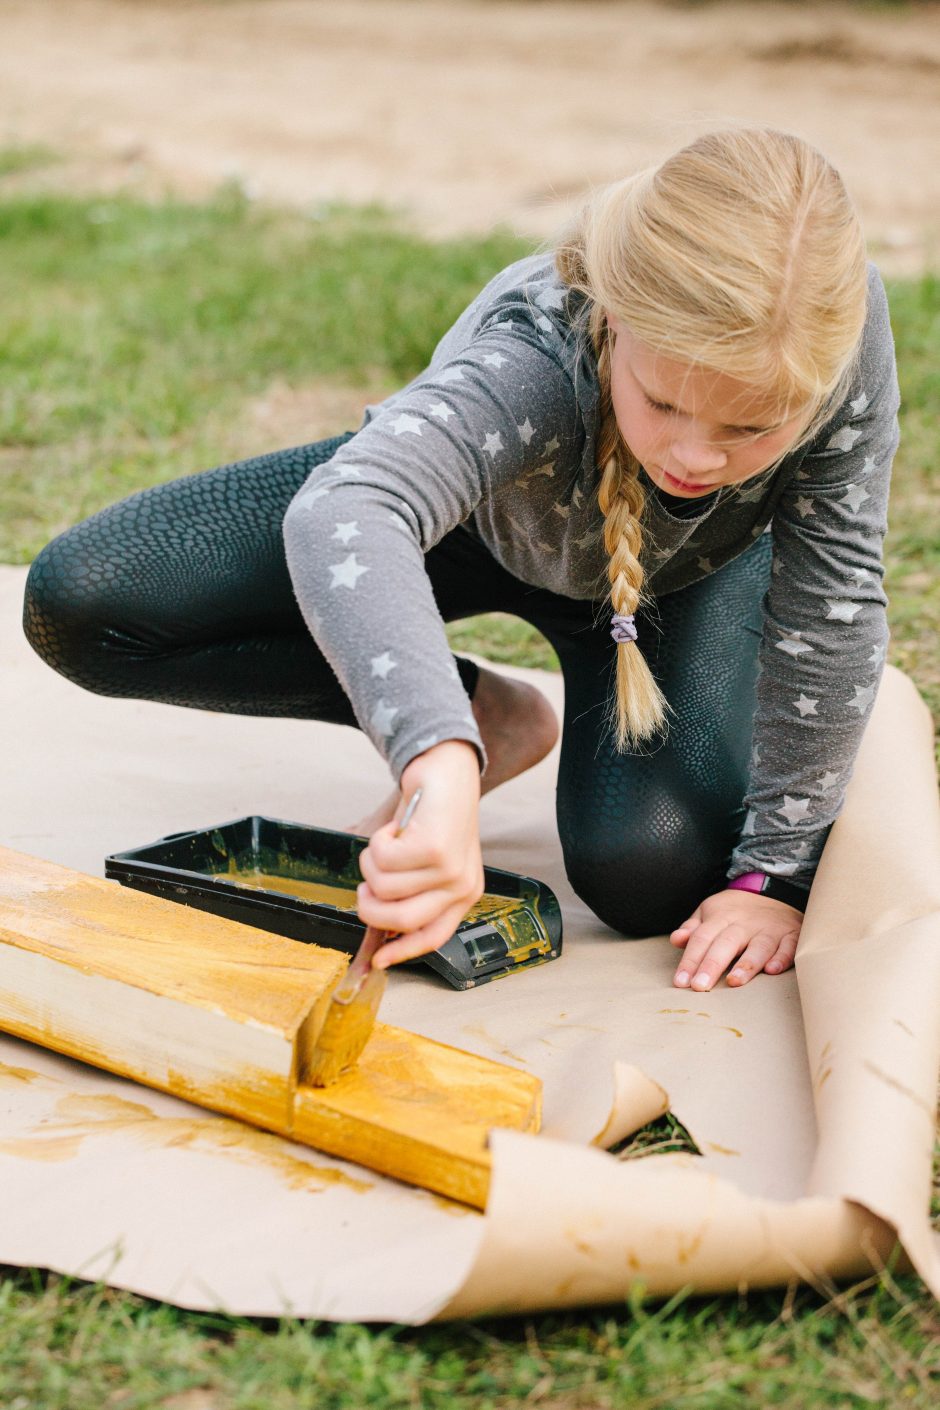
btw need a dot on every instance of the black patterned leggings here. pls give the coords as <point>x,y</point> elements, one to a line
<point>181,594</point>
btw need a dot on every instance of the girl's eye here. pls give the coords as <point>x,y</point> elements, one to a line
<point>665,409</point>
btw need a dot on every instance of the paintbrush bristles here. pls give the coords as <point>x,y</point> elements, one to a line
<point>345,1032</point>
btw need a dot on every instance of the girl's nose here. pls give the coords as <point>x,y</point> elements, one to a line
<point>696,457</point>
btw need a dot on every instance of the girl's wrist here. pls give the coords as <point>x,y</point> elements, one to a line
<point>774,887</point>
<point>456,755</point>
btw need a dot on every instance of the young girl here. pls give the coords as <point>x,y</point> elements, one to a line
<point>668,447</point>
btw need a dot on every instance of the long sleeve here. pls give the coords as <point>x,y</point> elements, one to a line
<point>501,410</point>
<point>825,629</point>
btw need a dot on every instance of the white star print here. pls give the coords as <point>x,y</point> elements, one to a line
<point>452,671</point>
<point>869,465</point>
<point>861,575</point>
<point>494,360</point>
<point>805,705</point>
<point>450,374</point>
<point>755,756</point>
<point>705,564</point>
<point>493,444</point>
<point>748,496</point>
<point>347,573</point>
<point>398,520</point>
<point>794,809</point>
<point>804,507</point>
<point>749,822</point>
<point>859,405</point>
<point>784,868</point>
<point>349,472</point>
<point>381,665</point>
<point>526,431</point>
<point>662,554</point>
<point>776,567</point>
<point>442,411</point>
<point>587,539</point>
<point>576,497</point>
<point>793,643</point>
<point>802,850</point>
<point>548,469</point>
<point>801,475</point>
<point>345,532</point>
<point>545,547</point>
<point>551,298</point>
<point>864,695</point>
<point>407,424</point>
<point>842,611</point>
<point>427,741</point>
<point>551,446</point>
<point>381,718</point>
<point>562,510</point>
<point>877,653</point>
<point>844,439</point>
<point>316,623</point>
<point>827,780</point>
<point>855,497</point>
<point>305,500</point>
<point>545,324</point>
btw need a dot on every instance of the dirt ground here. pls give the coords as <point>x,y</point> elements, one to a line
<point>465,113</point>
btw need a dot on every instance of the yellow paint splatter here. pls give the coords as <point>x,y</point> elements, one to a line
<point>10,1076</point>
<point>77,1117</point>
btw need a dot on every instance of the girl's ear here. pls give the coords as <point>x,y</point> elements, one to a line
<point>613,322</point>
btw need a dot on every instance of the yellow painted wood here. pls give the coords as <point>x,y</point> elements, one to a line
<point>218,1012</point>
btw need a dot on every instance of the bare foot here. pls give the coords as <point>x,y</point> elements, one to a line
<point>518,727</point>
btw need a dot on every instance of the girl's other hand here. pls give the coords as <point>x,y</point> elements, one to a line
<point>421,884</point>
<point>763,932</point>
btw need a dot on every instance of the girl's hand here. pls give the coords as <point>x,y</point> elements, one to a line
<point>732,923</point>
<point>422,883</point>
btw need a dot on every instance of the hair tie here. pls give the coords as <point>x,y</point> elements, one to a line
<point>622,628</point>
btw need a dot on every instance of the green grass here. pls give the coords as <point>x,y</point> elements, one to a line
<point>134,336</point>
<point>134,333</point>
<point>83,1347</point>
<point>25,157</point>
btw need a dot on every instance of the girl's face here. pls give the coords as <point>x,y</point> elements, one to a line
<point>692,430</point>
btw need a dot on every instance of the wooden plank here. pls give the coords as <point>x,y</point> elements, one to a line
<point>218,1013</point>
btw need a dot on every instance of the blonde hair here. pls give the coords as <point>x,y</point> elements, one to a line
<point>740,254</point>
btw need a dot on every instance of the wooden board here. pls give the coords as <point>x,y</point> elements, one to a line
<point>218,1013</point>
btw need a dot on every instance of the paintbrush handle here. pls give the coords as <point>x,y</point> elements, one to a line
<point>374,939</point>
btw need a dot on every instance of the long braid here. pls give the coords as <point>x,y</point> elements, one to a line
<point>640,706</point>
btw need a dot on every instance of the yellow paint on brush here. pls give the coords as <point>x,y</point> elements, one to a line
<point>217,1012</point>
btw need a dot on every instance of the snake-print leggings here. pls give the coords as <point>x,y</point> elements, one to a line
<point>181,594</point>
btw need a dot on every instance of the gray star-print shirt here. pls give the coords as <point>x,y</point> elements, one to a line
<point>500,431</point>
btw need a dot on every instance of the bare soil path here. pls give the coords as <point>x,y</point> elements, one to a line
<point>465,113</point>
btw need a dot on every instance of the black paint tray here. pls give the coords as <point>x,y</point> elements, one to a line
<point>234,871</point>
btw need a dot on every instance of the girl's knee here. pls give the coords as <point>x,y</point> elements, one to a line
<point>67,615</point>
<point>648,882</point>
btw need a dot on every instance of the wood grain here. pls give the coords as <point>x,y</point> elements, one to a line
<point>216,1012</point>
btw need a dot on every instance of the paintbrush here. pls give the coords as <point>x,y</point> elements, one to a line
<point>354,1004</point>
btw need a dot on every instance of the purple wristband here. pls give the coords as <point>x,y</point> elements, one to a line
<point>750,881</point>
